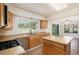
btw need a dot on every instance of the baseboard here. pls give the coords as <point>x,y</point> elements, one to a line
<point>34,48</point>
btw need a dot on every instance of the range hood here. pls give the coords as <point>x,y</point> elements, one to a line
<point>12,47</point>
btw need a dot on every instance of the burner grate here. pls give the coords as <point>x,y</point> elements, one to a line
<point>9,44</point>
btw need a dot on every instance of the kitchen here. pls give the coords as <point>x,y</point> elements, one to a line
<point>22,30</point>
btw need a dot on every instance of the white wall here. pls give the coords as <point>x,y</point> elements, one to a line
<point>60,21</point>
<point>59,18</point>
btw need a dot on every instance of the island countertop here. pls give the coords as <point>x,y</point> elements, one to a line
<point>63,40</point>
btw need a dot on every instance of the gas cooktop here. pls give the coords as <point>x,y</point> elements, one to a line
<point>9,44</point>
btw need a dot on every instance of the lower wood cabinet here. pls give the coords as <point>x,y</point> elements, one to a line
<point>58,51</point>
<point>54,48</point>
<point>47,49</point>
<point>34,41</point>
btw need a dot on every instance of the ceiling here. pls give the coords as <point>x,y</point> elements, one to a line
<point>44,9</point>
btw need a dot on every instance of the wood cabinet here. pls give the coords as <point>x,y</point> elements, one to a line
<point>1,14</point>
<point>54,48</point>
<point>43,24</point>
<point>6,17</point>
<point>34,41</point>
<point>10,20</point>
<point>47,49</point>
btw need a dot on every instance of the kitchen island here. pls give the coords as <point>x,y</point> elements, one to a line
<point>57,45</point>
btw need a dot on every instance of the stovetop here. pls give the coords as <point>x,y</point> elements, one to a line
<point>9,44</point>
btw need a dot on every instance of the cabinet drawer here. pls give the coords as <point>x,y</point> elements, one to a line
<point>34,41</point>
<point>58,45</point>
<point>57,51</point>
<point>55,44</point>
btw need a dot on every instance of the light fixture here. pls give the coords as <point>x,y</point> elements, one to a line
<point>67,21</point>
<point>59,6</point>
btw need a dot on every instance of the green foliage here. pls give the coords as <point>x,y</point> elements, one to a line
<point>31,24</point>
<point>55,29</point>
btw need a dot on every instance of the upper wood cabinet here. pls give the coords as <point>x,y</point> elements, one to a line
<point>43,24</point>
<point>6,17</point>
<point>1,14</point>
<point>10,20</point>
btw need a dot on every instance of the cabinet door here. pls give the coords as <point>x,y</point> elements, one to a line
<point>43,24</point>
<point>57,51</point>
<point>10,20</point>
<point>50,49</point>
<point>32,42</point>
<point>38,40</point>
<point>47,48</point>
<point>1,13</point>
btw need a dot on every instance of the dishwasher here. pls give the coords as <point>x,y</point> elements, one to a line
<point>24,42</point>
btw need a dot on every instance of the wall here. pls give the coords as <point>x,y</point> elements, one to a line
<point>16,19</point>
<point>60,17</point>
<point>60,21</point>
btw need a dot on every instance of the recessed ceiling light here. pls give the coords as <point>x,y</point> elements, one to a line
<point>59,6</point>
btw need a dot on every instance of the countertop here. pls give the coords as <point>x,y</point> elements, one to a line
<point>13,51</point>
<point>12,36</point>
<point>63,40</point>
<point>16,36</point>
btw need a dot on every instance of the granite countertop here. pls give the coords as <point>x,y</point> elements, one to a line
<point>63,40</point>
<point>13,51</point>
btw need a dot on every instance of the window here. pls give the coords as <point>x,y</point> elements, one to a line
<point>55,29</point>
<point>71,28</point>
